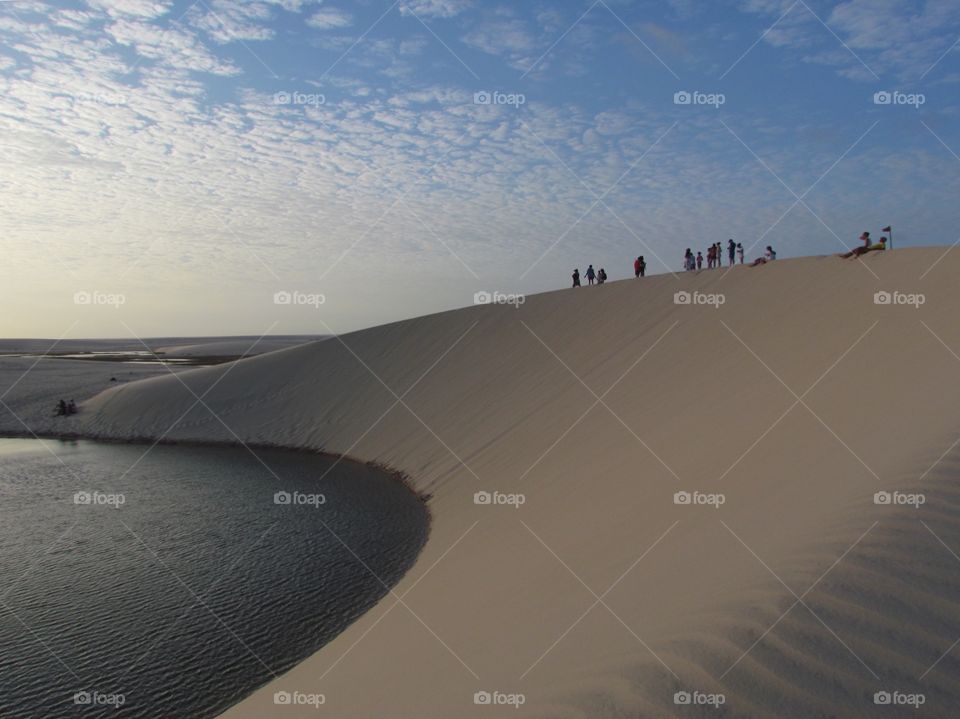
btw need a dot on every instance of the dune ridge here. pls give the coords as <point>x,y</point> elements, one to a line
<point>797,399</point>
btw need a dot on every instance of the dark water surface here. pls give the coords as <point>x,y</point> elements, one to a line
<point>173,584</point>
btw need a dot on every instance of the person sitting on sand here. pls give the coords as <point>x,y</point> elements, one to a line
<point>61,408</point>
<point>858,251</point>
<point>591,275</point>
<point>768,256</point>
<point>576,277</point>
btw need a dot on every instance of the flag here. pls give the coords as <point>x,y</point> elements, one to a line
<point>887,229</point>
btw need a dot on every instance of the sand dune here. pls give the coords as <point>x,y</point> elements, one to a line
<point>797,399</point>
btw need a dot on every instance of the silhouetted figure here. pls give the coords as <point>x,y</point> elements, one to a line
<point>601,276</point>
<point>699,260</point>
<point>576,278</point>
<point>740,252</point>
<point>643,266</point>
<point>591,275</point>
<point>731,251</point>
<point>61,408</point>
<point>71,407</point>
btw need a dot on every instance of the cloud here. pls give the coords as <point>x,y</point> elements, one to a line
<point>147,9</point>
<point>228,21</point>
<point>329,18</point>
<point>434,8</point>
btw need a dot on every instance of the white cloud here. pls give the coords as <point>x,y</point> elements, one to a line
<point>329,18</point>
<point>434,8</point>
<point>148,9</point>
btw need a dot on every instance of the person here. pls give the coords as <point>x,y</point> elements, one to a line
<point>643,266</point>
<point>576,277</point>
<point>688,261</point>
<point>768,256</point>
<point>591,275</point>
<point>858,251</point>
<point>740,252</point>
<point>710,255</point>
<point>61,408</point>
<point>636,267</point>
<point>601,276</point>
<point>699,260</point>
<point>71,407</point>
<point>731,251</point>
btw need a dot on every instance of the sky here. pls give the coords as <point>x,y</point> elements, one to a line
<point>224,167</point>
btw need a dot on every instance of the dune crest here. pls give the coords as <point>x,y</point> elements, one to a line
<point>578,577</point>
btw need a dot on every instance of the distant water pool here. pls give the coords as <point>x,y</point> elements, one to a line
<point>175,581</point>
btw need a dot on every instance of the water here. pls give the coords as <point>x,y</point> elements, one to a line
<point>173,584</point>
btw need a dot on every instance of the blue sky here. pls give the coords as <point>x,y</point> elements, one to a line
<point>196,158</point>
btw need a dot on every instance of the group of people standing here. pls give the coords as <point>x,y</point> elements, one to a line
<point>693,262</point>
<point>639,270</point>
<point>593,277</point>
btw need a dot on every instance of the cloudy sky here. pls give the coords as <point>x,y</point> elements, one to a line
<point>168,166</point>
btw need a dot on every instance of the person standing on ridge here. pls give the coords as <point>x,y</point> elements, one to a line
<point>731,251</point>
<point>591,275</point>
<point>576,277</point>
<point>740,252</point>
<point>643,266</point>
